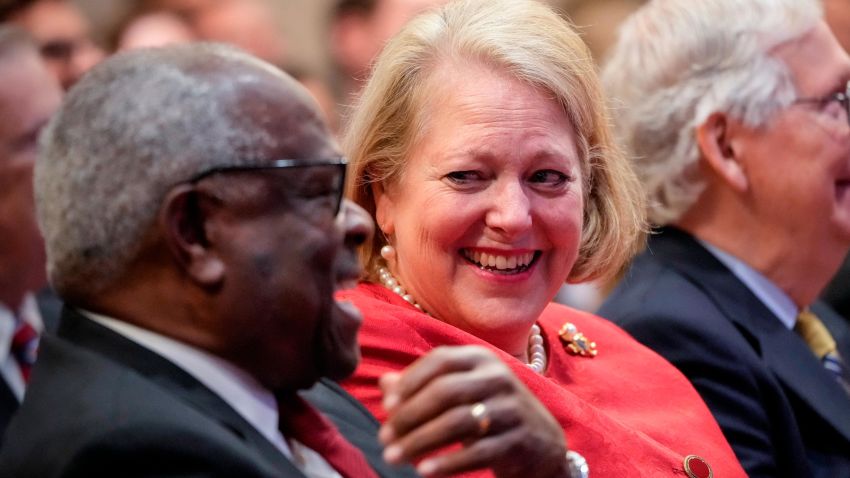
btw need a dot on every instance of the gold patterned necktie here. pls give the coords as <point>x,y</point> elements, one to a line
<point>817,336</point>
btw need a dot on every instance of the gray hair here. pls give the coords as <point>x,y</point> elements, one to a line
<point>131,129</point>
<point>678,61</point>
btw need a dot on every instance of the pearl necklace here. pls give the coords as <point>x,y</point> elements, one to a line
<point>536,351</point>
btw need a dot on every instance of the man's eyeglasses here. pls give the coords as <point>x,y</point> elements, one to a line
<point>841,98</point>
<point>321,182</point>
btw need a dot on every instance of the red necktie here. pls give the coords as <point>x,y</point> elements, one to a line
<point>301,422</point>
<point>25,347</point>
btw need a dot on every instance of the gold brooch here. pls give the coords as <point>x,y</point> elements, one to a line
<point>575,342</point>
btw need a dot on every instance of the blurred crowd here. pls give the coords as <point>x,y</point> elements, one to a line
<point>328,45</point>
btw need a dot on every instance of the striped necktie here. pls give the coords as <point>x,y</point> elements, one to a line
<point>816,335</point>
<point>24,347</point>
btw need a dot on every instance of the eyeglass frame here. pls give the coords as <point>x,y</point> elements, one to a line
<point>843,98</point>
<point>284,163</point>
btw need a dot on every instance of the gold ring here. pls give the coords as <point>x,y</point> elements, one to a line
<point>479,413</point>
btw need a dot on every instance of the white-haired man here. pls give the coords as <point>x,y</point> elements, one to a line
<point>191,202</point>
<point>736,113</point>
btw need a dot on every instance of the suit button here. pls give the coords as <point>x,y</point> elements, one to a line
<point>696,467</point>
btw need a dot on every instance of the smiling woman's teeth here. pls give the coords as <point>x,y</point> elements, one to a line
<point>504,264</point>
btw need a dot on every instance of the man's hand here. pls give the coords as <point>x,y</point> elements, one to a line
<point>437,402</point>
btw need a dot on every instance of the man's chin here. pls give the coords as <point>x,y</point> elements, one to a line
<point>342,352</point>
<point>340,366</point>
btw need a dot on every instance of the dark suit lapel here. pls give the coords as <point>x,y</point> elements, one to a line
<point>89,334</point>
<point>783,351</point>
<point>8,405</point>
<point>50,308</point>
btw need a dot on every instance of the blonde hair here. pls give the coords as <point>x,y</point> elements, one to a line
<point>528,41</point>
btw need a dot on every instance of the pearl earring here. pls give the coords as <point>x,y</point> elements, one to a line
<point>388,253</point>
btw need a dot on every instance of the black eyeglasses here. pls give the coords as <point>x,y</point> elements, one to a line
<point>841,97</point>
<point>323,188</point>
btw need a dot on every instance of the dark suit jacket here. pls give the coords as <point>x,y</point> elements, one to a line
<point>783,413</point>
<point>99,404</point>
<point>837,293</point>
<point>49,306</point>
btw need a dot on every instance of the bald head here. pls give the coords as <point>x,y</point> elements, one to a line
<point>142,122</point>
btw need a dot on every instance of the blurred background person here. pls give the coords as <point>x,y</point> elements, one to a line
<point>736,116</point>
<point>597,20</point>
<point>359,30</point>
<point>252,26</point>
<point>155,28</point>
<point>481,147</point>
<point>29,94</point>
<point>61,32</point>
<point>187,9</point>
<point>248,24</point>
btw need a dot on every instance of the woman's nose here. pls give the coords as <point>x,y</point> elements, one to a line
<point>509,214</point>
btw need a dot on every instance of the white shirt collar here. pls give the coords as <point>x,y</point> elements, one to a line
<point>235,386</point>
<point>28,311</point>
<point>766,291</point>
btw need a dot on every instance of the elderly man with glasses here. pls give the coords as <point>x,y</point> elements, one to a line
<point>736,115</point>
<point>191,202</point>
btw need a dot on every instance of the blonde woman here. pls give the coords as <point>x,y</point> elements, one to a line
<point>481,148</point>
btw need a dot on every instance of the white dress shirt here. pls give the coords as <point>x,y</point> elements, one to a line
<point>255,403</point>
<point>9,370</point>
<point>766,291</point>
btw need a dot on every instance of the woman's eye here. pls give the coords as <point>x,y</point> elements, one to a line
<point>549,178</point>
<point>463,177</point>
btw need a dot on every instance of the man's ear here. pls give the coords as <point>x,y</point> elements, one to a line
<point>716,140</point>
<point>384,209</point>
<point>183,221</point>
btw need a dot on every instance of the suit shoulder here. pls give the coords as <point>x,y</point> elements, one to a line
<point>83,413</point>
<point>139,448</point>
<point>658,301</point>
<point>141,444</point>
